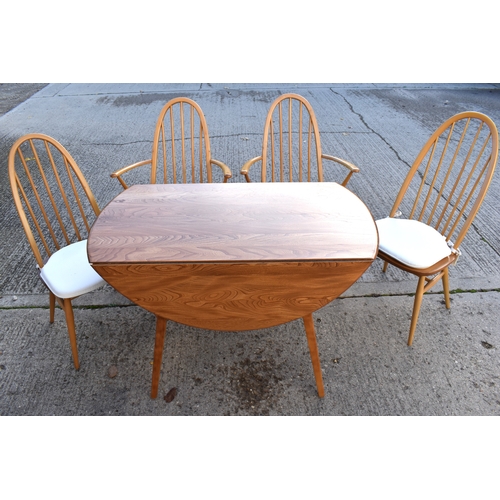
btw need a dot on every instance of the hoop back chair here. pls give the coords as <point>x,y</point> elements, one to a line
<point>439,199</point>
<point>55,205</point>
<point>291,146</point>
<point>181,147</point>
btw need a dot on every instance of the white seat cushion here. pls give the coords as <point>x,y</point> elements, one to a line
<point>412,242</point>
<point>68,273</point>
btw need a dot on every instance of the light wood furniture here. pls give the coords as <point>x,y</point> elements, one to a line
<point>291,145</point>
<point>234,257</point>
<point>438,201</point>
<point>56,208</point>
<point>181,147</point>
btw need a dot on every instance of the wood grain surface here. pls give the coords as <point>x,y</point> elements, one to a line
<point>233,222</point>
<point>233,256</point>
<point>233,297</point>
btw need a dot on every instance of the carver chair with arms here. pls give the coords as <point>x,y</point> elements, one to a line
<point>56,208</point>
<point>181,147</point>
<point>438,201</point>
<point>291,146</point>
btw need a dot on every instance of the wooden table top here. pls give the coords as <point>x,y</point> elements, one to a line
<point>238,222</point>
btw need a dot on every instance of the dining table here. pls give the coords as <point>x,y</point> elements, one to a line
<point>235,256</point>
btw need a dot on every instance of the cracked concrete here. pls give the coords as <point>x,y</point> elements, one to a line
<point>371,129</point>
<point>368,369</point>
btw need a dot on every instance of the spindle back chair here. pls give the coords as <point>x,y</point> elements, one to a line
<point>454,169</point>
<point>57,208</point>
<point>181,147</point>
<point>443,192</point>
<point>51,195</point>
<point>291,146</point>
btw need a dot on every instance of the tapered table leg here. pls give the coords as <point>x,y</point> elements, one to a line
<point>313,350</point>
<point>161,326</point>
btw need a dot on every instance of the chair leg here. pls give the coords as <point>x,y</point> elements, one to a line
<point>416,308</point>
<point>70,323</point>
<point>52,305</point>
<point>161,326</point>
<point>446,288</point>
<point>313,350</point>
<point>384,269</point>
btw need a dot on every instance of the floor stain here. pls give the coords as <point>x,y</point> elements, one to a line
<point>256,385</point>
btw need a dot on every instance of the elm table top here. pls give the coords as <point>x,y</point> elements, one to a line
<point>238,222</point>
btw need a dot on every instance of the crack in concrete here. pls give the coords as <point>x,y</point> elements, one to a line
<point>115,143</point>
<point>367,296</point>
<point>360,116</point>
<point>483,238</point>
<point>473,226</point>
<point>452,292</point>
<point>102,306</point>
<point>212,137</point>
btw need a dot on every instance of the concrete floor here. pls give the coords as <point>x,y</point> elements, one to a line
<point>451,369</point>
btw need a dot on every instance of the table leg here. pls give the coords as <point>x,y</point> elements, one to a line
<point>313,350</point>
<point>161,326</point>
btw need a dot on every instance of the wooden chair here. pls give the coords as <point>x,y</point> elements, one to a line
<point>291,146</point>
<point>53,199</point>
<point>439,199</point>
<point>181,147</point>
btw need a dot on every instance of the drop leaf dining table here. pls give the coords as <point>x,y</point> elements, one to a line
<point>235,256</point>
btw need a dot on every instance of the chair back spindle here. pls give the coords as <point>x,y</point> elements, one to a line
<point>449,178</point>
<point>181,147</point>
<point>53,199</point>
<point>291,148</point>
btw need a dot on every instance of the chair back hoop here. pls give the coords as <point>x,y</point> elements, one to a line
<point>50,193</point>
<point>448,181</point>
<point>181,145</point>
<point>291,143</point>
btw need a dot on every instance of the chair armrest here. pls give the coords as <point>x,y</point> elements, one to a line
<point>353,169</point>
<point>247,165</point>
<point>123,170</point>
<point>225,169</point>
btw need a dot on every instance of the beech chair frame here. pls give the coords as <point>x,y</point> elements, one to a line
<point>276,143</point>
<point>46,226</point>
<point>446,202</point>
<point>184,115</point>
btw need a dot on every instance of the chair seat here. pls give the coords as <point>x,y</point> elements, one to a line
<point>68,273</point>
<point>411,242</point>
